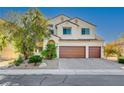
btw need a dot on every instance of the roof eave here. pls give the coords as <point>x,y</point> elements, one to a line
<point>57,16</point>
<point>84,21</point>
<point>66,21</point>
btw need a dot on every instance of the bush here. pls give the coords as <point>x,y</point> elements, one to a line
<point>35,59</point>
<point>49,52</point>
<point>18,61</point>
<point>121,60</point>
<point>44,53</point>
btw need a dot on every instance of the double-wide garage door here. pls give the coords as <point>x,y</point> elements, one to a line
<point>72,52</point>
<point>79,52</point>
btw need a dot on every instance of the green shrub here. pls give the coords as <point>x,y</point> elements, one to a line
<point>18,61</point>
<point>121,60</point>
<point>49,52</point>
<point>44,53</point>
<point>35,59</point>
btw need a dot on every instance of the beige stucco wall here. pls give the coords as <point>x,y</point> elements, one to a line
<point>76,32</point>
<point>81,43</point>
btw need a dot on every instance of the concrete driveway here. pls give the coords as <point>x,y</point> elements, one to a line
<point>79,63</point>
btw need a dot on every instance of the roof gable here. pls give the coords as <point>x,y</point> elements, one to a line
<point>67,21</point>
<point>83,21</point>
<point>59,16</point>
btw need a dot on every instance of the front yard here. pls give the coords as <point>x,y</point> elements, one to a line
<point>46,64</point>
<point>64,63</point>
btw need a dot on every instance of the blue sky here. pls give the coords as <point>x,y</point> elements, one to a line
<point>109,21</point>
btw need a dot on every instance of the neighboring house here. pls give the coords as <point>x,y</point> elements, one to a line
<point>74,38</point>
<point>9,51</point>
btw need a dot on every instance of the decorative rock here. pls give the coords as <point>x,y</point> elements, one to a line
<point>42,65</point>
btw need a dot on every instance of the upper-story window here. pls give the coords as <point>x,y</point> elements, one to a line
<point>85,31</point>
<point>66,31</point>
<point>51,31</point>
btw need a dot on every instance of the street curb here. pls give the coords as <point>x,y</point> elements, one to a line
<point>61,72</point>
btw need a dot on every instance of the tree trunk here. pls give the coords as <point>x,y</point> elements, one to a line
<point>35,63</point>
<point>25,55</point>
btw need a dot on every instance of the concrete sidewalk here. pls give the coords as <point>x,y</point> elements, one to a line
<point>61,72</point>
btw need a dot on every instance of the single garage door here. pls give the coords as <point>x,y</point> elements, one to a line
<point>72,52</point>
<point>94,52</point>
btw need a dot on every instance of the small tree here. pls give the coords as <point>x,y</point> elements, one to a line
<point>118,50</point>
<point>113,49</point>
<point>109,50</point>
<point>49,52</point>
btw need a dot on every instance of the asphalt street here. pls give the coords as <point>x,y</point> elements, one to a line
<point>61,80</point>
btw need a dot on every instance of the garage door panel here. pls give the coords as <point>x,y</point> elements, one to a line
<point>94,52</point>
<point>72,52</point>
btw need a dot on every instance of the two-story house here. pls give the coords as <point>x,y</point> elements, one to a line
<point>75,38</point>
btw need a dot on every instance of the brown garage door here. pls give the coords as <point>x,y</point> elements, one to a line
<point>94,52</point>
<point>72,52</point>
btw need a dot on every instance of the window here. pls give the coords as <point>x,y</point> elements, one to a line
<point>85,31</point>
<point>66,31</point>
<point>50,25</point>
<point>51,31</point>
